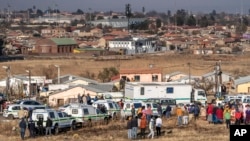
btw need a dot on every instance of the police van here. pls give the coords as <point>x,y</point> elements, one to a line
<point>84,114</point>
<point>112,107</point>
<point>61,120</point>
<point>11,111</point>
<point>126,111</point>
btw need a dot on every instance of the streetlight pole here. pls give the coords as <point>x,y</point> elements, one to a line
<point>7,68</point>
<point>28,71</point>
<point>58,73</point>
<point>189,72</point>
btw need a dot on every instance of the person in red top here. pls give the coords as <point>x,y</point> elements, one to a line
<point>210,113</point>
<point>219,115</point>
<point>238,115</point>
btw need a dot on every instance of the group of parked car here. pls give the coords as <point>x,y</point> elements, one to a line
<point>77,114</point>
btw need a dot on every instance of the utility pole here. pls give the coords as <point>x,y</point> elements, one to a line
<point>29,72</point>
<point>7,69</point>
<point>58,73</point>
<point>128,13</point>
<point>189,73</point>
<point>216,79</point>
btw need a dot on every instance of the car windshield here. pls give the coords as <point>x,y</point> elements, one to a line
<point>137,105</point>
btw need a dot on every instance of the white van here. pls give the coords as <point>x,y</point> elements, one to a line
<point>113,109</point>
<point>60,120</point>
<point>84,113</point>
<point>128,106</point>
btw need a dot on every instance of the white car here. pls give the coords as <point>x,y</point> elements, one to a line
<point>128,107</point>
<point>60,120</point>
<point>11,111</point>
<point>112,107</point>
<point>84,113</point>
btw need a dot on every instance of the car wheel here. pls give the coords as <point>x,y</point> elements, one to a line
<point>56,130</point>
<point>11,116</point>
<point>73,126</point>
<point>106,120</point>
<point>89,123</point>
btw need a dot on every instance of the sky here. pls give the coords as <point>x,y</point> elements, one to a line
<point>204,6</point>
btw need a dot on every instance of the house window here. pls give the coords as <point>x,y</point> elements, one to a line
<point>170,90</point>
<point>155,78</point>
<point>137,78</point>
<point>142,90</point>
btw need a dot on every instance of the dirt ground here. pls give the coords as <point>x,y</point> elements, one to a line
<point>116,131</point>
<point>199,64</point>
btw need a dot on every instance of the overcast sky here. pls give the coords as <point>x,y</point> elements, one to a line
<point>232,6</point>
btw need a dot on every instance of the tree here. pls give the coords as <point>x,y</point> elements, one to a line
<point>180,17</point>
<point>79,12</point>
<point>158,23</point>
<point>203,22</point>
<point>100,18</point>
<point>39,12</point>
<point>191,21</point>
<point>106,74</point>
<point>50,72</point>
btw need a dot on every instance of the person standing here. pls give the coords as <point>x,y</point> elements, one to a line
<point>32,128</point>
<point>151,127</point>
<point>88,99</point>
<point>247,114</point>
<point>84,99</point>
<point>238,117</point>
<point>49,124</point>
<point>185,116</point>
<point>210,113</point>
<point>40,126</point>
<point>134,125</point>
<point>159,109</point>
<point>79,98</point>
<point>158,124</point>
<point>168,111</point>
<point>132,110</point>
<point>149,113</point>
<point>179,114</point>
<point>227,116</point>
<point>196,112</point>
<point>143,125</point>
<point>22,126</point>
<point>219,115</point>
<point>129,127</point>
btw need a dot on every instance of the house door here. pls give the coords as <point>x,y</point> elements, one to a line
<point>60,102</point>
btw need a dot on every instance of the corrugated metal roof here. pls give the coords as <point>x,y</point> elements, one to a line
<point>242,80</point>
<point>64,41</point>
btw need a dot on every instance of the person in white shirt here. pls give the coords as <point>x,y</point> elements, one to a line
<point>151,127</point>
<point>158,125</point>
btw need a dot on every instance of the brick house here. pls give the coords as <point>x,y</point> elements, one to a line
<point>55,45</point>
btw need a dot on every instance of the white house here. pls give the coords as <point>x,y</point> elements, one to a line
<point>133,45</point>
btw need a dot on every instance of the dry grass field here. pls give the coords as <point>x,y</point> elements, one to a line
<point>234,64</point>
<point>116,131</point>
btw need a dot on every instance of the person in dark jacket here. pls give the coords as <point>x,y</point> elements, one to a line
<point>168,111</point>
<point>49,124</point>
<point>133,111</point>
<point>32,128</point>
<point>23,127</point>
<point>134,125</point>
<point>40,126</point>
<point>129,127</point>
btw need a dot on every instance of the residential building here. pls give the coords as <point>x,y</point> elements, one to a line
<point>117,23</point>
<point>55,45</point>
<point>65,96</point>
<point>133,45</point>
<point>242,84</point>
<point>141,75</point>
